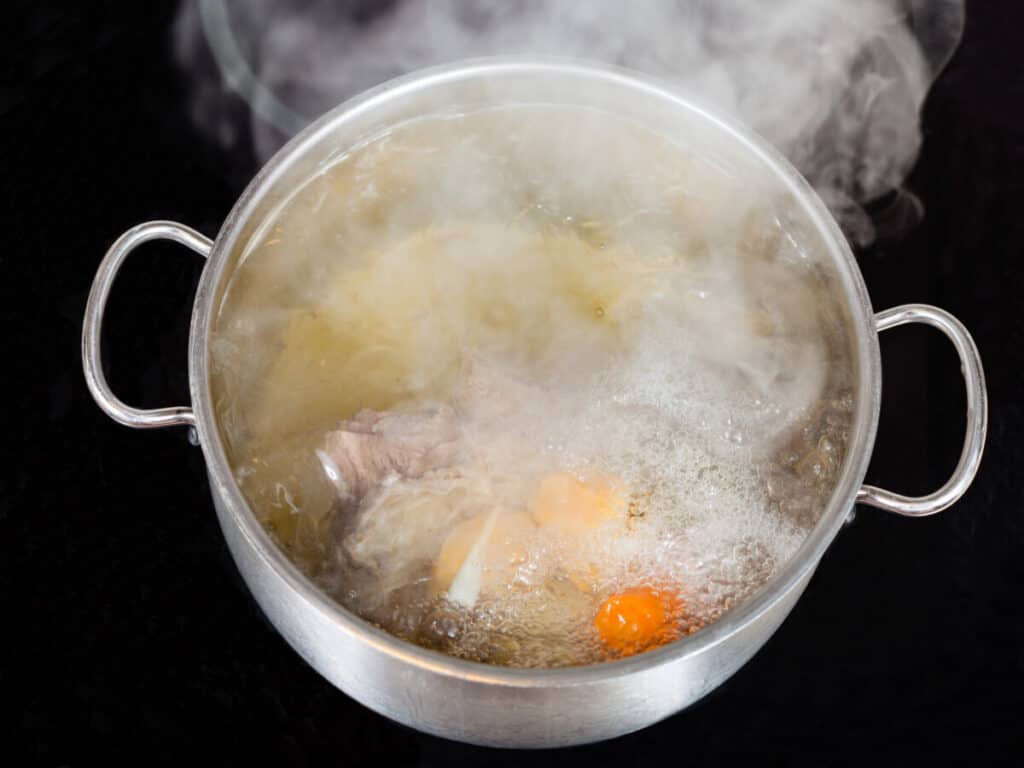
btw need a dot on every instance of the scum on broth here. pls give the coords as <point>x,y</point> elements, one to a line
<point>635,354</point>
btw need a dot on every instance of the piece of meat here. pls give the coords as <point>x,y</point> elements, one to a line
<point>367,449</point>
<point>372,446</point>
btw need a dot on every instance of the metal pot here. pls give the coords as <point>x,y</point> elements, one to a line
<point>475,702</point>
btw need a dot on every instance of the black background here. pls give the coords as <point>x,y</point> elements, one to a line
<point>127,633</point>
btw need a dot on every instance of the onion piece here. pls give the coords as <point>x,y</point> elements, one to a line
<point>465,588</point>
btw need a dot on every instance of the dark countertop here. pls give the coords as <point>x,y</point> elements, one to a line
<point>128,632</point>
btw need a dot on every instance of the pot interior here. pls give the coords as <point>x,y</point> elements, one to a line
<point>633,340</point>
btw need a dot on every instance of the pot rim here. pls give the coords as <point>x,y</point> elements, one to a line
<point>804,560</point>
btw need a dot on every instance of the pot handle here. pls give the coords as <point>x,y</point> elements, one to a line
<point>977,415</point>
<point>93,323</point>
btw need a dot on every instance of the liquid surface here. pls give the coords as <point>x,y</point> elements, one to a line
<point>534,386</point>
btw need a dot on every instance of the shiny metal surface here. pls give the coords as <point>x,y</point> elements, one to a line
<point>430,691</point>
<point>977,415</point>
<point>92,326</point>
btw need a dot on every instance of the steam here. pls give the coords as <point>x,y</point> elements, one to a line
<point>837,85</point>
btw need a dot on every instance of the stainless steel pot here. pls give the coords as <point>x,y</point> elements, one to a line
<point>474,702</point>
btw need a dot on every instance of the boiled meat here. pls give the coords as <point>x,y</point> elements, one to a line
<point>370,447</point>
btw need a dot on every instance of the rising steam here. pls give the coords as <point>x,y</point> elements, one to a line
<point>837,85</point>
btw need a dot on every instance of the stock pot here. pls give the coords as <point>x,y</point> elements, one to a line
<point>474,702</point>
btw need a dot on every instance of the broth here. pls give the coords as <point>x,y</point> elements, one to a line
<point>535,386</point>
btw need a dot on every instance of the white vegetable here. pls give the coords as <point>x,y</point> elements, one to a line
<point>465,589</point>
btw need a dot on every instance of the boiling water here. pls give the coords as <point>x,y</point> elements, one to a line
<point>635,348</point>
